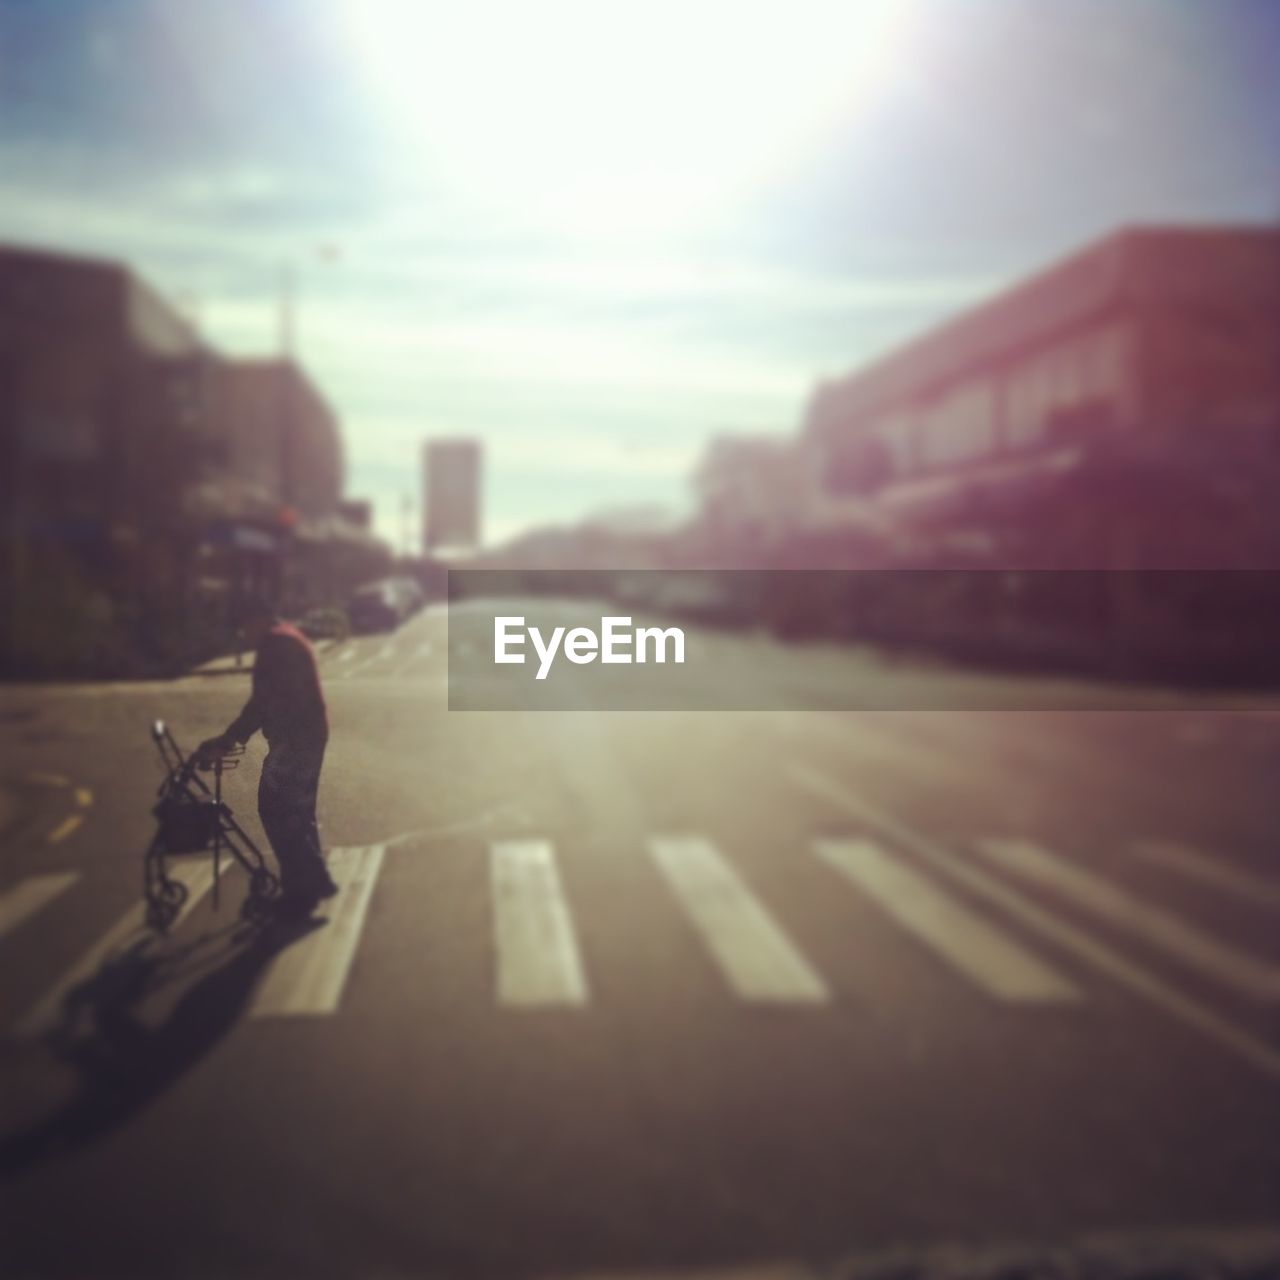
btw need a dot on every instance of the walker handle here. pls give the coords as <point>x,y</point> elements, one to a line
<point>226,760</point>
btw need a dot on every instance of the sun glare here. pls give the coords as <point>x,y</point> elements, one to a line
<point>591,116</point>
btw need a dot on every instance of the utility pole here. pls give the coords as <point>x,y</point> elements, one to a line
<point>288,295</point>
<point>286,302</point>
<point>406,524</point>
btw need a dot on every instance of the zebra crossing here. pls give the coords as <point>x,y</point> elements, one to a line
<point>27,897</point>
<point>308,978</point>
<point>992,960</point>
<point>129,930</point>
<point>757,959</point>
<point>756,956</point>
<point>1171,857</point>
<point>405,652</point>
<point>1088,949</point>
<point>1211,956</point>
<point>538,961</point>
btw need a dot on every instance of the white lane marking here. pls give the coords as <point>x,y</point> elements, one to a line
<point>347,654</point>
<point>961,937</point>
<point>1169,855</point>
<point>29,895</point>
<point>68,826</point>
<point>485,818</point>
<point>1159,928</point>
<point>757,958</point>
<point>130,928</point>
<point>387,651</point>
<point>309,976</point>
<point>1063,934</point>
<point>422,652</point>
<point>538,960</point>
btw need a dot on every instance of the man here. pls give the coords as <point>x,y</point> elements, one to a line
<point>287,705</point>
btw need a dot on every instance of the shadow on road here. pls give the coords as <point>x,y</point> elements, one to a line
<point>123,1063</point>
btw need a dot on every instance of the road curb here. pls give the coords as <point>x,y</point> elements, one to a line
<point>226,665</point>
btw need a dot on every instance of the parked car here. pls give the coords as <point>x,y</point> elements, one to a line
<point>411,592</point>
<point>327,623</point>
<point>384,605</point>
<point>702,596</point>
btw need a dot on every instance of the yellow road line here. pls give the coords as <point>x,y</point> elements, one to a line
<point>65,828</point>
<point>84,797</point>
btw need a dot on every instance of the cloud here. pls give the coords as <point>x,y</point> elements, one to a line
<point>584,373</point>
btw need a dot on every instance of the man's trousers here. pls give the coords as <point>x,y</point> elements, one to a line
<point>287,806</point>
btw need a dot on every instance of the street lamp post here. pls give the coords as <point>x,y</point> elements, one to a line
<point>288,296</point>
<point>288,344</point>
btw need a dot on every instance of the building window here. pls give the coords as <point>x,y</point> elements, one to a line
<point>65,435</point>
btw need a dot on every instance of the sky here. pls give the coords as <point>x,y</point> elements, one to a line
<point>594,234</point>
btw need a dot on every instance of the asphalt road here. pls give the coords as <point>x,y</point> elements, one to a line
<point>638,992</point>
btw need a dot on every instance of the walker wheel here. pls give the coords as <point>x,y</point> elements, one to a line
<point>164,903</point>
<point>263,887</point>
<point>262,884</point>
<point>173,893</point>
<point>256,909</point>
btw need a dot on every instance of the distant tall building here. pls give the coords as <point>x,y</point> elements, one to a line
<point>451,487</point>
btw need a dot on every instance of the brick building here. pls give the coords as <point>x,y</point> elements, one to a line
<point>1136,383</point>
<point>145,481</point>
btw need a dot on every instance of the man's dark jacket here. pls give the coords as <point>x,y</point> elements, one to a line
<point>286,702</point>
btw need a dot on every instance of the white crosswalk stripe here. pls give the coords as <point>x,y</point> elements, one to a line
<point>28,896</point>
<point>755,956</point>
<point>309,977</point>
<point>196,877</point>
<point>1155,926</point>
<point>965,940</point>
<point>538,961</point>
<point>1202,1018</point>
<point>387,651</point>
<point>1169,855</point>
<point>420,654</point>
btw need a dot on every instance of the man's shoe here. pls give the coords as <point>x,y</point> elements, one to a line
<point>316,882</point>
<point>295,906</point>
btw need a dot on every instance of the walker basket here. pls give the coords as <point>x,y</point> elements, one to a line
<point>187,825</point>
<point>192,818</point>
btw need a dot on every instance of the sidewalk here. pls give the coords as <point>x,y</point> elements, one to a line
<point>226,665</point>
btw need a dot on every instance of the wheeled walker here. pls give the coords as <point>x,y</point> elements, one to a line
<point>192,817</point>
